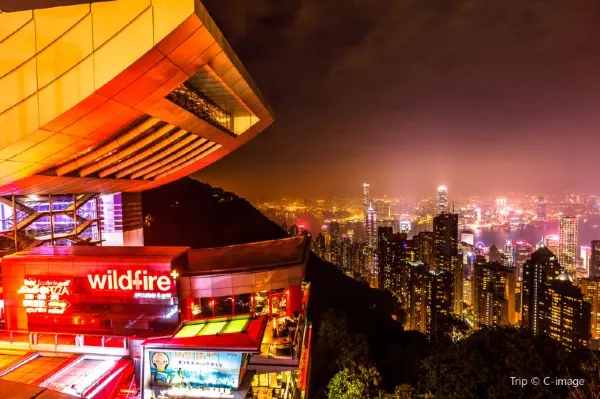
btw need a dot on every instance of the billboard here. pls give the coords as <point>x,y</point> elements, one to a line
<point>194,369</point>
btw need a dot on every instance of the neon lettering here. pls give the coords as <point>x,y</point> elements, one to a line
<point>138,281</point>
<point>96,281</point>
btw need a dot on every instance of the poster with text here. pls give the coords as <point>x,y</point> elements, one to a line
<point>194,369</point>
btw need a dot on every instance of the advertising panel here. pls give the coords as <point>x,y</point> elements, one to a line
<point>194,369</point>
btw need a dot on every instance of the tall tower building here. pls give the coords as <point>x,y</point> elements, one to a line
<point>568,314</point>
<point>371,227</point>
<point>424,247</point>
<point>540,207</point>
<point>522,251</point>
<point>366,198</point>
<point>568,241</point>
<point>442,199</point>
<point>385,259</point>
<point>595,259</point>
<point>446,256</point>
<point>501,208</point>
<point>551,241</point>
<point>538,274</point>
<point>590,287</point>
<point>419,305</point>
<point>493,295</point>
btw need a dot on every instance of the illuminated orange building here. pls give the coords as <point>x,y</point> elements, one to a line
<point>115,97</point>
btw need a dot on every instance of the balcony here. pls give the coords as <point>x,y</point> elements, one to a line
<point>193,101</point>
<point>280,346</point>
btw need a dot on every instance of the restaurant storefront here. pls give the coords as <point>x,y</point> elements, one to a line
<point>227,326</point>
<point>116,290</point>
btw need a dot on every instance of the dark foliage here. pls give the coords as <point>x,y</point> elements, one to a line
<point>189,213</point>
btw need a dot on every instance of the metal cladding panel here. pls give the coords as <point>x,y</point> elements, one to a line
<point>76,75</point>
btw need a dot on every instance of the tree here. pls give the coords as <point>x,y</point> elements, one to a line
<point>340,350</point>
<point>484,365</point>
<point>591,387</point>
<point>358,382</point>
<point>403,391</point>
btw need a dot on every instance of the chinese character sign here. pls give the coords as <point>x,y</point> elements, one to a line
<point>46,294</point>
<point>192,369</point>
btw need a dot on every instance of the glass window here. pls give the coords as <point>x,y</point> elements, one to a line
<point>224,306</point>
<point>206,308</point>
<point>243,304</point>
<point>261,303</point>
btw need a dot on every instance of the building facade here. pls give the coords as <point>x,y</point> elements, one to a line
<point>568,243</point>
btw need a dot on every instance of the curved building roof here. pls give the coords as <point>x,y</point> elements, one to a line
<point>118,96</point>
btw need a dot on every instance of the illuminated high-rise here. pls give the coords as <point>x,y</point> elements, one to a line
<point>371,227</point>
<point>568,241</point>
<point>521,253</point>
<point>585,253</point>
<point>366,197</point>
<point>538,274</point>
<point>552,242</point>
<point>501,208</point>
<point>424,247</point>
<point>595,259</point>
<point>568,314</point>
<point>419,307</point>
<point>386,259</point>
<point>590,287</point>
<point>493,295</point>
<point>445,254</point>
<point>442,199</point>
<point>540,208</point>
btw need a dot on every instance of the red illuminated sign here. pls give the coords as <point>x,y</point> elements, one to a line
<point>46,294</point>
<point>140,283</point>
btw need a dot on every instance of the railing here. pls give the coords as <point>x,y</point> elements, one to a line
<point>192,100</point>
<point>34,340</point>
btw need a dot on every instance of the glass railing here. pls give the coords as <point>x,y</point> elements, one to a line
<point>193,101</point>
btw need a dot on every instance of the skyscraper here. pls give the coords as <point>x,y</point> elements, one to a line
<point>383,209</point>
<point>319,246</point>
<point>568,314</point>
<point>493,295</point>
<point>366,198</point>
<point>585,253</point>
<point>385,259</point>
<point>538,273</point>
<point>568,241</point>
<point>595,259</point>
<point>590,287</point>
<point>551,241</point>
<point>334,230</point>
<point>419,305</point>
<point>541,210</point>
<point>424,247</point>
<point>442,199</point>
<point>371,227</point>
<point>501,208</point>
<point>446,257</point>
<point>521,253</point>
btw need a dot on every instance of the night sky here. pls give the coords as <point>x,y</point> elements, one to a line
<point>485,96</point>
